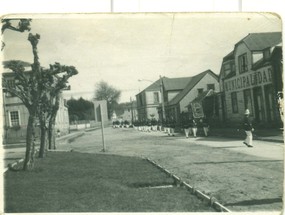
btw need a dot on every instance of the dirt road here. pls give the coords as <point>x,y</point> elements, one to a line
<point>241,178</point>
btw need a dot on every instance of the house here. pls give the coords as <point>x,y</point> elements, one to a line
<point>148,101</point>
<point>15,115</point>
<point>178,102</point>
<point>251,78</point>
<point>128,112</point>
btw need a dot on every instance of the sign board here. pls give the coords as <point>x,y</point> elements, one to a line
<point>197,109</point>
<point>98,106</point>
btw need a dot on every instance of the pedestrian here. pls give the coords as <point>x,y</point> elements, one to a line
<point>172,127</point>
<point>194,127</point>
<point>185,124</point>
<point>247,126</point>
<point>205,126</point>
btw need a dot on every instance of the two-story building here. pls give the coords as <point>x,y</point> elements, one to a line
<point>251,77</point>
<point>148,101</point>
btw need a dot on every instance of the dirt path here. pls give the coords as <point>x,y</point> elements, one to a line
<point>240,179</point>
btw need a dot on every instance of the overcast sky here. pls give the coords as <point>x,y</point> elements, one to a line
<point>122,48</point>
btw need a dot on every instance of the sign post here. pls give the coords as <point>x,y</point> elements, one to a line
<point>102,128</point>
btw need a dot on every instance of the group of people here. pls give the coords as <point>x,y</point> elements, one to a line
<point>191,126</point>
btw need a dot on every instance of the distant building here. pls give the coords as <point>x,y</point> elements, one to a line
<point>251,78</point>
<point>128,112</point>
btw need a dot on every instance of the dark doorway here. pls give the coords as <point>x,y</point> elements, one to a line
<point>258,104</point>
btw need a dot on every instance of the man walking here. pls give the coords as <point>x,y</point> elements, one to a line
<point>247,125</point>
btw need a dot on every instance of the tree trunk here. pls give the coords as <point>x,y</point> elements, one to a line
<point>30,144</point>
<point>51,126</point>
<point>51,134</point>
<point>43,142</point>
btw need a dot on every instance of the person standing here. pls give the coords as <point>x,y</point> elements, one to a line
<point>247,126</point>
<point>205,126</point>
<point>186,124</point>
<point>194,127</point>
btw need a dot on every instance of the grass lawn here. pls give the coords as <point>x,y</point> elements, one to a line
<point>79,182</point>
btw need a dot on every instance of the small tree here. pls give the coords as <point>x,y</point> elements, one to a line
<point>104,91</point>
<point>54,80</point>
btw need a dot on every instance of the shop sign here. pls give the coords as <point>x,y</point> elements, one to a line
<point>249,80</point>
<point>197,109</point>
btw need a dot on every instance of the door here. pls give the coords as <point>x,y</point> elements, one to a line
<point>258,104</point>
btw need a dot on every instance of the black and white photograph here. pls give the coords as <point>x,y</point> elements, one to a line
<point>142,112</point>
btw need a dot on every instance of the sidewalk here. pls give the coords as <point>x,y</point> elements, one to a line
<point>271,135</point>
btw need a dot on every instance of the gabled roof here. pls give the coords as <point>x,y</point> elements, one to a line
<point>175,83</point>
<point>154,86</point>
<point>193,81</point>
<point>169,84</point>
<point>261,41</point>
<point>229,56</point>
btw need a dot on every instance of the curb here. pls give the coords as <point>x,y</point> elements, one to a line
<point>212,201</point>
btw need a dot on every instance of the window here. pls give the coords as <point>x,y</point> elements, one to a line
<point>11,83</point>
<point>200,90</point>
<point>243,66</point>
<point>156,97</point>
<point>266,54</point>
<point>234,102</point>
<point>14,118</point>
<point>210,86</point>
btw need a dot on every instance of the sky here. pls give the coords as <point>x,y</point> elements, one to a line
<point>122,48</point>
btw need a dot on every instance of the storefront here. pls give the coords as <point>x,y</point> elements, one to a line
<point>253,90</point>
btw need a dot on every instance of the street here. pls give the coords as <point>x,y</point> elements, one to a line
<point>240,178</point>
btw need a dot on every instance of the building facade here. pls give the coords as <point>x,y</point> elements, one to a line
<point>148,101</point>
<point>250,78</point>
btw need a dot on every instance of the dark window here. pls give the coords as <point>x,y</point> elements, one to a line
<point>243,66</point>
<point>211,86</point>
<point>247,100</point>
<point>156,97</point>
<point>200,90</point>
<point>234,102</point>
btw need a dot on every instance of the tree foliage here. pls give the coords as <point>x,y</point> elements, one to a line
<point>80,109</point>
<point>104,91</point>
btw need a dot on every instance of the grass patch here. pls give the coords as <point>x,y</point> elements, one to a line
<point>79,182</point>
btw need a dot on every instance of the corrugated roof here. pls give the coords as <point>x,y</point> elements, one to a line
<point>194,80</point>
<point>261,41</point>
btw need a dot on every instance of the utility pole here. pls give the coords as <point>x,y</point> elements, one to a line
<point>162,98</point>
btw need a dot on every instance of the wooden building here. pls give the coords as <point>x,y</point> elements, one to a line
<point>250,78</point>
